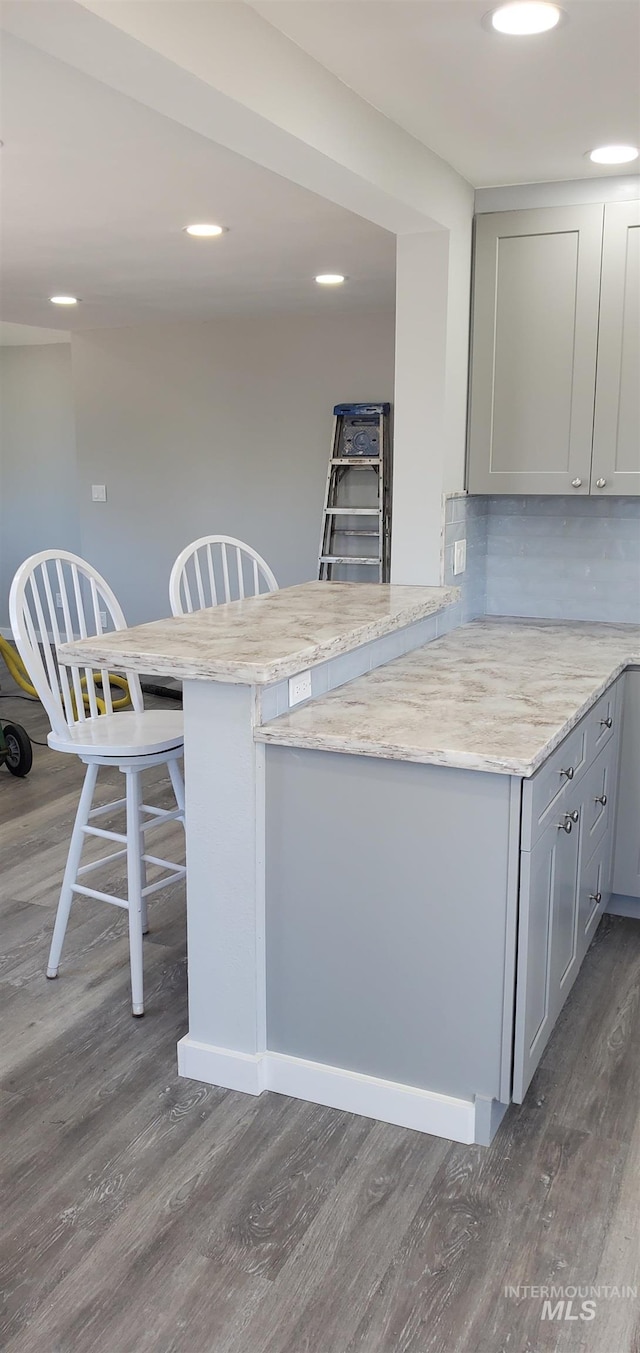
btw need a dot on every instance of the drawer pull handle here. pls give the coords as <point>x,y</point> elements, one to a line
<point>566,826</point>
<point>606,723</point>
<point>569,772</point>
<point>601,798</point>
<point>595,897</point>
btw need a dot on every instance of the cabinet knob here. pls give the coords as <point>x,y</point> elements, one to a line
<point>595,897</point>
<point>569,772</point>
<point>600,483</point>
<point>574,815</point>
<point>576,483</point>
<point>566,826</point>
<point>606,723</point>
<point>601,798</point>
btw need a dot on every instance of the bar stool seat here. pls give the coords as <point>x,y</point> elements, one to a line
<point>126,733</point>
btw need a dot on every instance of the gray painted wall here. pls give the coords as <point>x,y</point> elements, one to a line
<point>216,427</point>
<point>38,472</point>
<point>573,558</point>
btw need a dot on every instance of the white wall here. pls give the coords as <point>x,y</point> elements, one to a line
<point>38,474</point>
<point>222,427</point>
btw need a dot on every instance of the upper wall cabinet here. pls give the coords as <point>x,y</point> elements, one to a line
<point>616,433</point>
<point>536,359</point>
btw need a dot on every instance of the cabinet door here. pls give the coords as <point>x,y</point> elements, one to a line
<point>547,944</point>
<point>626,871</point>
<point>616,436</point>
<point>595,891</point>
<point>535,329</point>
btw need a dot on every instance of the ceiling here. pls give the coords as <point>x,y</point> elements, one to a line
<point>499,109</point>
<point>97,187</point>
<point>96,190</point>
<point>27,335</point>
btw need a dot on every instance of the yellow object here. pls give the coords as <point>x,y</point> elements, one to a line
<point>20,675</point>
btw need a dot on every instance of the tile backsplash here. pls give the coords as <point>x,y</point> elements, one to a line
<point>570,558</point>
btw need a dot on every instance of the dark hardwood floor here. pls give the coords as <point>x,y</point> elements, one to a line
<point>142,1213</point>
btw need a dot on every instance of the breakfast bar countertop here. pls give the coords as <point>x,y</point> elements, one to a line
<point>266,638</point>
<point>493,695</point>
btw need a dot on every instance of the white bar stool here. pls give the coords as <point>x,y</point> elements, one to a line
<point>217,569</point>
<point>56,597</point>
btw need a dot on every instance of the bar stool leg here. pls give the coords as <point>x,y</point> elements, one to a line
<point>71,869</point>
<point>135,867</point>
<point>178,784</point>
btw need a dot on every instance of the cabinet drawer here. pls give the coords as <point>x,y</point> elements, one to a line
<point>543,794</point>
<point>602,720</point>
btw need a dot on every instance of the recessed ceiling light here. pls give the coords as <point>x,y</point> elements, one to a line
<point>522,18</point>
<point>330,279</point>
<point>205,230</point>
<point>613,154</point>
<point>63,300</point>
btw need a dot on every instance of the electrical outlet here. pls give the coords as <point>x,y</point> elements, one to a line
<point>103,619</point>
<point>58,599</point>
<point>460,556</point>
<point>98,493</point>
<point>299,688</point>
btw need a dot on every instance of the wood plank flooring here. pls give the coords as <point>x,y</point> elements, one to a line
<point>142,1213</point>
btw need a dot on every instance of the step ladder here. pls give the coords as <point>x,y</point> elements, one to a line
<point>355,541</point>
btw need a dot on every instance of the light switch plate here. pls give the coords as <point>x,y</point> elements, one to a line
<point>299,688</point>
<point>460,556</point>
<point>98,493</point>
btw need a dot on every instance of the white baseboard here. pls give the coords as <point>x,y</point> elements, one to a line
<point>388,1101</point>
<point>624,906</point>
<point>219,1066</point>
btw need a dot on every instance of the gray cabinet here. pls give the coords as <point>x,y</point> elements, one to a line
<point>626,875</point>
<point>555,336</point>
<point>547,948</point>
<point>616,434</point>
<point>428,938</point>
<point>565,875</point>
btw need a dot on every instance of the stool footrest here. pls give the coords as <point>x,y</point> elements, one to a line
<point>97,864</point>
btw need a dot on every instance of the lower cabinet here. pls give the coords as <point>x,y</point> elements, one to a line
<point>427,939</point>
<point>547,945</point>
<point>565,882</point>
<point>626,873</point>
<point>595,890</point>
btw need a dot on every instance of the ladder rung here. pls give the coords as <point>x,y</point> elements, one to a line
<point>348,559</point>
<point>355,460</point>
<point>343,532</point>
<point>352,511</point>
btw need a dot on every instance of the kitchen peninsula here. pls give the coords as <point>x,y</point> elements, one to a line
<point>392,887</point>
<point>235,662</point>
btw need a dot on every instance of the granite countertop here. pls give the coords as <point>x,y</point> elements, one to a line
<point>495,695</point>
<point>262,639</point>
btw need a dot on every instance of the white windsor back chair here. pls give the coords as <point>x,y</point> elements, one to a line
<point>57,597</point>
<point>217,569</point>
